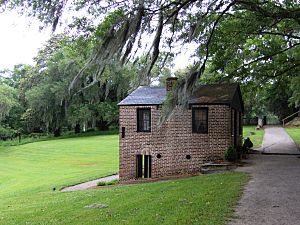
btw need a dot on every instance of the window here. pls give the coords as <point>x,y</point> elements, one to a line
<point>200,120</point>
<point>123,132</point>
<point>144,120</point>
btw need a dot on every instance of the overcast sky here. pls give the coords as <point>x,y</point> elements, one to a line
<point>19,40</point>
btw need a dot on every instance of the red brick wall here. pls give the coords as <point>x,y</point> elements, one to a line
<point>173,141</point>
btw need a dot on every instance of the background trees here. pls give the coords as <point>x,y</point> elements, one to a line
<point>111,47</point>
<point>7,99</point>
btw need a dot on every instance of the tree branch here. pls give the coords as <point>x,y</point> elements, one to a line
<point>268,56</point>
<point>278,34</point>
<point>281,14</point>
<point>176,11</point>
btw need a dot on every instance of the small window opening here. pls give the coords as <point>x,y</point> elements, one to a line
<point>158,156</point>
<point>188,157</point>
<point>123,132</point>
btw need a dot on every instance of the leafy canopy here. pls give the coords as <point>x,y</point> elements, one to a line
<point>244,40</point>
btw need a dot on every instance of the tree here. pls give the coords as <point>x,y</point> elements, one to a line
<point>8,100</point>
<point>50,105</point>
<point>248,39</point>
<point>295,88</point>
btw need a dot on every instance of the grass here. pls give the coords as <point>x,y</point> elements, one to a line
<point>26,139</point>
<point>36,169</point>
<point>196,200</point>
<point>30,172</point>
<point>256,136</point>
<point>294,132</point>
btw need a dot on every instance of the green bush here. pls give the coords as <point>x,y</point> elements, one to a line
<point>105,183</point>
<point>101,183</point>
<point>7,131</point>
<point>231,154</point>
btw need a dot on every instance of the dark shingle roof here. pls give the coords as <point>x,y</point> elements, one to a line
<point>205,94</point>
<point>145,95</point>
<point>214,93</point>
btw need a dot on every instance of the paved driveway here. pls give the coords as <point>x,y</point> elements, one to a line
<point>276,140</point>
<point>272,196</point>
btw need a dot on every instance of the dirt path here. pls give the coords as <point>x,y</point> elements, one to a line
<point>90,184</point>
<point>272,196</point>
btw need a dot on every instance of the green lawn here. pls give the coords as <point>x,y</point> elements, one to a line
<point>30,172</point>
<point>295,134</point>
<point>256,136</point>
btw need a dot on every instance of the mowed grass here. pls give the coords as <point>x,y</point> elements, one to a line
<point>29,173</point>
<point>33,170</point>
<point>197,200</point>
<point>294,132</point>
<point>256,136</point>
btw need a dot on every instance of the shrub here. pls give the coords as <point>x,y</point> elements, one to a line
<point>90,130</point>
<point>6,131</point>
<point>231,154</point>
<point>105,183</point>
<point>248,143</point>
<point>112,182</point>
<point>101,183</point>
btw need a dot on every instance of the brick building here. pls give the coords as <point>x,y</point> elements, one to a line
<point>192,136</point>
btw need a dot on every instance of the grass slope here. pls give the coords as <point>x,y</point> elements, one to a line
<point>294,132</point>
<point>256,136</point>
<point>26,139</point>
<point>36,168</point>
<point>29,172</point>
<point>197,200</point>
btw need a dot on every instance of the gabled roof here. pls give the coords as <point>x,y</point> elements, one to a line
<point>213,93</point>
<point>229,94</point>
<point>145,95</point>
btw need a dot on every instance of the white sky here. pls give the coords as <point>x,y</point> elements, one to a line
<point>19,40</point>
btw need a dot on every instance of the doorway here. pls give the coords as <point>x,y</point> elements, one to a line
<point>143,166</point>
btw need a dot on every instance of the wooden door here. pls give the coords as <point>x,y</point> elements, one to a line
<point>139,166</point>
<point>147,166</point>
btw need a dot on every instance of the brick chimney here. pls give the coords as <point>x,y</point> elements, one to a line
<point>170,81</point>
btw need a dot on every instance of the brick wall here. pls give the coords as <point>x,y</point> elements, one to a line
<point>173,141</point>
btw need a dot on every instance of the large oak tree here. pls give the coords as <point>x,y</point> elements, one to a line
<point>240,39</point>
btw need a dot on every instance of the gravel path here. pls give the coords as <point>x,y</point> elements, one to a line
<point>272,196</point>
<point>90,184</point>
<point>276,140</point>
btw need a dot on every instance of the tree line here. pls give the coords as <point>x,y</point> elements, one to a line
<point>39,99</point>
<point>81,74</point>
